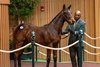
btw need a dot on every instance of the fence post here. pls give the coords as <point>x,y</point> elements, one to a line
<point>80,47</point>
<point>33,44</point>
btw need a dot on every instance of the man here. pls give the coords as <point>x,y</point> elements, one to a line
<point>75,29</point>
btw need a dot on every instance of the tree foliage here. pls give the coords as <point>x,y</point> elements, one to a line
<point>22,8</point>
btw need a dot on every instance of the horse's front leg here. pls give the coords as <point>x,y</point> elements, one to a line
<point>48,57</point>
<point>55,55</point>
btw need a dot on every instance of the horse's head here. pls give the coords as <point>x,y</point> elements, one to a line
<point>67,14</point>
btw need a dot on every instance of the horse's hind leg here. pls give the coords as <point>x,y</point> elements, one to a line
<point>48,57</point>
<point>19,61</point>
<point>17,56</point>
<point>55,56</point>
<point>15,59</point>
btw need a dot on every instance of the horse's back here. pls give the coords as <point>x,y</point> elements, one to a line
<point>43,35</point>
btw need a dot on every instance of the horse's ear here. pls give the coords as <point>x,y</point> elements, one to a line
<point>64,6</point>
<point>69,6</point>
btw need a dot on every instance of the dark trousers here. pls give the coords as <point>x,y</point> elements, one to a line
<point>74,53</point>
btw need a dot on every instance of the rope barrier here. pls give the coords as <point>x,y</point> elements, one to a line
<point>91,52</point>
<point>85,51</point>
<point>15,49</point>
<point>38,45</point>
<point>42,53</point>
<point>91,37</point>
<point>27,52</point>
<point>66,52</point>
<point>66,35</point>
<point>48,47</point>
<point>57,48</point>
<point>91,45</point>
<point>67,47</point>
<point>46,55</point>
<point>69,53</point>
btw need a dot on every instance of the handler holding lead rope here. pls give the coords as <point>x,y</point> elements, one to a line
<point>76,30</point>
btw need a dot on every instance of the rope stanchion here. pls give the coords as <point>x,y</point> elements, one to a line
<point>33,43</point>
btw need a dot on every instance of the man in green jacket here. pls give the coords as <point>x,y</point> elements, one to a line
<point>75,28</point>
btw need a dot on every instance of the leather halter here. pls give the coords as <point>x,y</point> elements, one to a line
<point>65,17</point>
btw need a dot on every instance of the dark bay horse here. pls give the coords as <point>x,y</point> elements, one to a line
<point>48,35</point>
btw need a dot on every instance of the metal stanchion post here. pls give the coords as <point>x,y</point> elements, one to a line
<point>80,48</point>
<point>36,53</point>
<point>33,44</point>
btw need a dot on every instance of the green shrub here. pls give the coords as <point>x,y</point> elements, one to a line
<point>22,8</point>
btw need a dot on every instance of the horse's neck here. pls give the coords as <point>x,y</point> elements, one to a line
<point>58,22</point>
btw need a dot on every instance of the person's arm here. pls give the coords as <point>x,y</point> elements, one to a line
<point>81,29</point>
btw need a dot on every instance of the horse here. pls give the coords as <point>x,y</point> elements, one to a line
<point>47,35</point>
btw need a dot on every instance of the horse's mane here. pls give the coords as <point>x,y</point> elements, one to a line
<point>56,17</point>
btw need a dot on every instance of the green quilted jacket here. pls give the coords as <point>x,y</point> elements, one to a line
<point>74,30</point>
